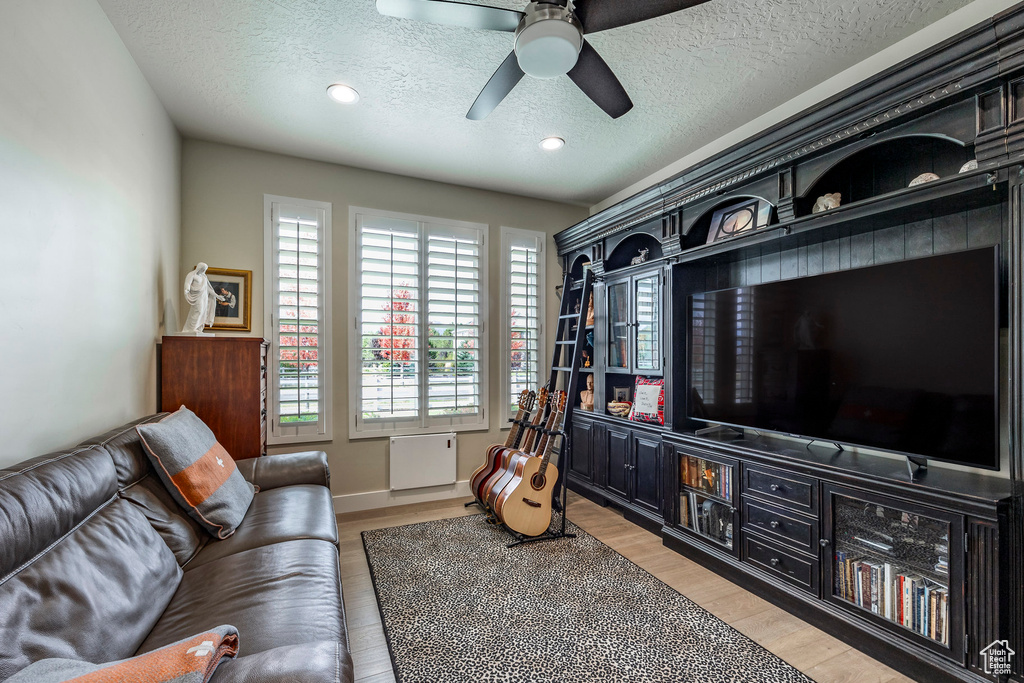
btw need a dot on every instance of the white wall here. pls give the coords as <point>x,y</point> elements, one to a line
<point>931,35</point>
<point>89,227</point>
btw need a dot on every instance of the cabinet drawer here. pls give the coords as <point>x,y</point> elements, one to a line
<point>782,488</point>
<point>782,525</point>
<point>799,571</point>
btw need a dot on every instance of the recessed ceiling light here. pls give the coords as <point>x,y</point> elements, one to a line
<point>552,143</point>
<point>343,93</point>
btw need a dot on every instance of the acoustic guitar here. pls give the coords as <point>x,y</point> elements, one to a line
<point>492,458</point>
<point>493,485</point>
<point>525,504</point>
<point>510,470</point>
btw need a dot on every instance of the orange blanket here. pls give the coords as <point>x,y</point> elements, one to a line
<point>192,660</point>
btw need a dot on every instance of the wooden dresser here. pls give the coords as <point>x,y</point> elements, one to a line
<point>223,380</point>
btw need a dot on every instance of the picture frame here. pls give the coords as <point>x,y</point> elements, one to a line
<point>620,394</point>
<point>235,313</point>
<point>749,215</point>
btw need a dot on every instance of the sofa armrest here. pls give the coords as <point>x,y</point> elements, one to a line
<point>286,469</point>
<point>320,662</point>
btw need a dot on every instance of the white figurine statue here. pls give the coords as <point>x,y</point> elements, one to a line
<point>200,296</point>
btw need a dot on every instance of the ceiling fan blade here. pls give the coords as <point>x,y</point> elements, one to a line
<point>595,78</point>
<point>452,13</point>
<point>500,85</point>
<point>600,15</point>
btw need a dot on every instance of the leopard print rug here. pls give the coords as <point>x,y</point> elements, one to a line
<point>459,606</point>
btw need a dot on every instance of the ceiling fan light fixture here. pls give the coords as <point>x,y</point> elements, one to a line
<point>548,41</point>
<point>344,94</point>
<point>550,144</point>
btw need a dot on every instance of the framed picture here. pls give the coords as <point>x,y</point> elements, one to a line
<point>620,393</point>
<point>746,216</point>
<point>234,299</point>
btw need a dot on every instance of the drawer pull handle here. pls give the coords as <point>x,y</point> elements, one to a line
<point>774,524</point>
<point>774,562</point>
<point>823,542</point>
<point>774,487</point>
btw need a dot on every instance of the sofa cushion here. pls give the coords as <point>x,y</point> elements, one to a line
<point>43,499</point>
<point>94,595</point>
<point>181,533</point>
<point>125,449</point>
<point>282,594</point>
<point>197,471</point>
<point>322,662</point>
<point>277,515</point>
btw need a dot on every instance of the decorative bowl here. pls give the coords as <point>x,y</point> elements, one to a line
<point>618,408</point>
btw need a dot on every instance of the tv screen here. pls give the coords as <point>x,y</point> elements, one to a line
<point>902,357</point>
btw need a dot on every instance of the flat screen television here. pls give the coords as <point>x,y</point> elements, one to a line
<point>902,357</point>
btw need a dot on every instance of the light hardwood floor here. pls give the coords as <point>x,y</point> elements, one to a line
<point>817,654</point>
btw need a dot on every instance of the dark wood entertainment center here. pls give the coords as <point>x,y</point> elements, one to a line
<point>796,522</point>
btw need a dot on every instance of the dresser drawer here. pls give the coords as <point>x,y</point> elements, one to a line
<point>781,525</point>
<point>799,571</point>
<point>782,488</point>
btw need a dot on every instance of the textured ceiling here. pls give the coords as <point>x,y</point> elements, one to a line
<point>254,73</point>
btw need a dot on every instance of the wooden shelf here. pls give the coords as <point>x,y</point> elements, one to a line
<point>930,200</point>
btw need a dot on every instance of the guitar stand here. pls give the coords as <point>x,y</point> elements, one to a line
<point>548,535</point>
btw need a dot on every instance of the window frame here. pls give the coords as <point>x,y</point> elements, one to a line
<point>511,237</point>
<point>278,434</point>
<point>423,424</point>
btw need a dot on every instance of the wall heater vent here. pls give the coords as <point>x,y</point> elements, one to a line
<point>421,461</point>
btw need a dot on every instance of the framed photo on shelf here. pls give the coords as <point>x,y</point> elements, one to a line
<point>746,216</point>
<point>620,394</point>
<point>234,299</point>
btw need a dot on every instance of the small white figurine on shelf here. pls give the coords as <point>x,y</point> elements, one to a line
<point>200,296</point>
<point>642,258</point>
<point>827,201</point>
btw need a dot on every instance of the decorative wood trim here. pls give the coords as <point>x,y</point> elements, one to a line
<point>954,68</point>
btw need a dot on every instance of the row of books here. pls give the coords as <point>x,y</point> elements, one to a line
<point>707,517</point>
<point>915,602</point>
<point>706,475</point>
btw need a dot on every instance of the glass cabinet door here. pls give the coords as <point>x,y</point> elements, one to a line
<point>706,498</point>
<point>618,325</point>
<point>893,561</point>
<point>648,323</point>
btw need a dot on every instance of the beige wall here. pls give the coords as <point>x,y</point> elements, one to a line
<point>89,185</point>
<point>222,224</point>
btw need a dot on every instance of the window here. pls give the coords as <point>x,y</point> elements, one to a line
<point>418,352</point>
<point>297,304</point>
<point>522,282</point>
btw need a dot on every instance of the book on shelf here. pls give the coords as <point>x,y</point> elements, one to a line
<point>911,600</point>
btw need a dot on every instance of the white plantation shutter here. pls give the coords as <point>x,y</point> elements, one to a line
<point>389,311</point>
<point>419,293</point>
<point>295,319</point>
<point>454,327</point>
<point>523,284</point>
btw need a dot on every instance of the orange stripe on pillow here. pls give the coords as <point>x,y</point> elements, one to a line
<point>201,479</point>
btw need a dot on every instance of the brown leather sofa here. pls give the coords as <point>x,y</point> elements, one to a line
<point>98,563</point>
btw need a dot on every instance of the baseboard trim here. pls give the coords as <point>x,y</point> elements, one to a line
<point>371,500</point>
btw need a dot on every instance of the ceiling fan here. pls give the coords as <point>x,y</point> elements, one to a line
<point>548,41</point>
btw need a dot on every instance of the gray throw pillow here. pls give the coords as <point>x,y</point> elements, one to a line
<point>197,471</point>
